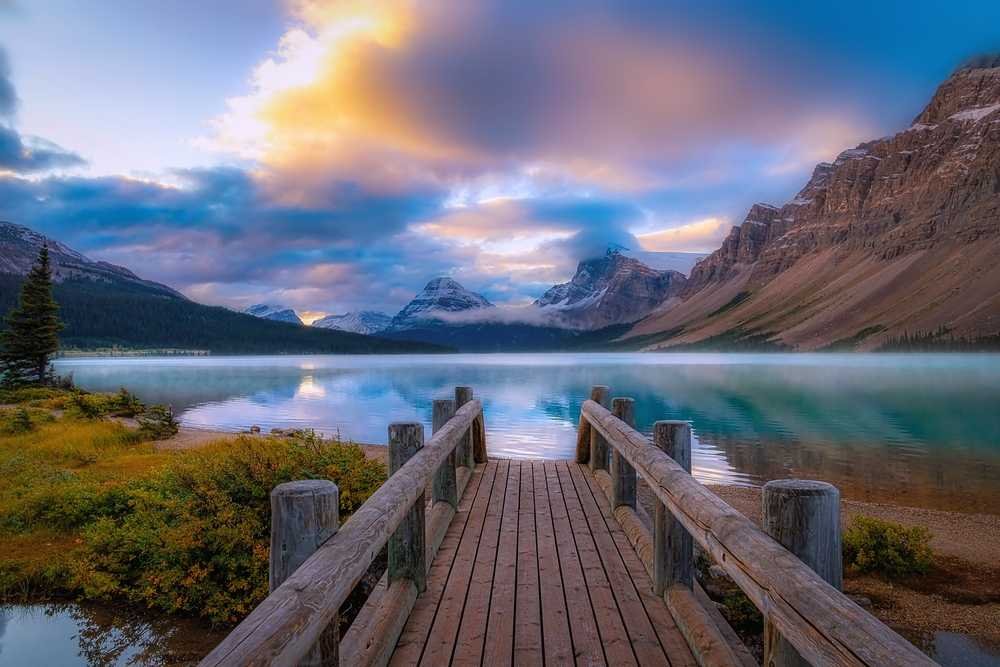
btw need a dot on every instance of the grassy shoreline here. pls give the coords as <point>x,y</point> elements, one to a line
<point>91,510</point>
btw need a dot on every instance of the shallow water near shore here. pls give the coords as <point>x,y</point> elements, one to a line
<point>916,429</point>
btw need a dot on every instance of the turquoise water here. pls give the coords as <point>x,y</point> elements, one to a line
<point>915,429</point>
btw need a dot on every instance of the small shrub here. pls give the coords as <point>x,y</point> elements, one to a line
<point>158,423</point>
<point>193,537</point>
<point>886,547</point>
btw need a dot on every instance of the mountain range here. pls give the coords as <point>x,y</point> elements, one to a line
<point>894,241</point>
<point>103,305</point>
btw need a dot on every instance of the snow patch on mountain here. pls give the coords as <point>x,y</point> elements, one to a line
<point>267,311</point>
<point>363,322</point>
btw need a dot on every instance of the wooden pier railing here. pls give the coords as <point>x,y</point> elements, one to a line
<point>532,564</point>
<point>801,609</point>
<point>290,626</point>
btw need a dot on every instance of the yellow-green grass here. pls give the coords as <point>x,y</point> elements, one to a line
<point>88,509</point>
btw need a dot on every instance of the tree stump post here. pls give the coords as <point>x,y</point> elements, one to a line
<point>804,517</point>
<point>622,472</point>
<point>598,445</point>
<point>407,543</point>
<point>304,515</point>
<point>445,481</point>
<point>465,451</point>
<point>673,547</point>
<point>598,394</point>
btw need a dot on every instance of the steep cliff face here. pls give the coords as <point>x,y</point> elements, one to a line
<point>608,290</point>
<point>895,236</point>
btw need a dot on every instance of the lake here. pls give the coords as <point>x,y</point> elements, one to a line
<point>921,430</point>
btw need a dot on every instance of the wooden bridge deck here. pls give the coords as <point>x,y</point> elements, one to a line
<point>535,570</point>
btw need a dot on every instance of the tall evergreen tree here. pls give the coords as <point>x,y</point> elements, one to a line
<point>32,334</point>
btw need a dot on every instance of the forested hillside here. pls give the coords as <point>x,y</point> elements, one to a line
<point>103,314</point>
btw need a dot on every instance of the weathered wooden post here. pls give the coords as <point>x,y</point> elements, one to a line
<point>804,516</point>
<point>598,445</point>
<point>598,394</point>
<point>622,472</point>
<point>673,548</point>
<point>465,452</point>
<point>407,543</point>
<point>445,481</point>
<point>304,515</point>
<point>479,438</point>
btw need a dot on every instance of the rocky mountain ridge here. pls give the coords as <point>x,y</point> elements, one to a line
<point>896,236</point>
<point>19,246</point>
<point>439,298</point>
<point>364,322</point>
<point>271,312</point>
<point>609,290</point>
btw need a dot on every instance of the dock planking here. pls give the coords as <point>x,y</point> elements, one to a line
<point>536,572</point>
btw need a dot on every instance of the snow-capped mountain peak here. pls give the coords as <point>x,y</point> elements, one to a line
<point>363,322</point>
<point>440,296</point>
<point>271,312</point>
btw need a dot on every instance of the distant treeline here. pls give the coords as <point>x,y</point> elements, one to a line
<point>940,340</point>
<point>107,315</point>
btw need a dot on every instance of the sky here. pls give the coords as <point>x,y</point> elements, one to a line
<point>335,155</point>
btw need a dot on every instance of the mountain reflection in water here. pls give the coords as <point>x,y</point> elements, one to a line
<point>917,429</point>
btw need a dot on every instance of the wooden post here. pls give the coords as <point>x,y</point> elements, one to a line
<point>407,543</point>
<point>622,472</point>
<point>804,517</point>
<point>445,481</point>
<point>465,453</point>
<point>673,548</point>
<point>598,445</point>
<point>479,439</point>
<point>599,394</point>
<point>304,515</point>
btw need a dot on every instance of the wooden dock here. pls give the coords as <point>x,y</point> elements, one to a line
<point>513,562</point>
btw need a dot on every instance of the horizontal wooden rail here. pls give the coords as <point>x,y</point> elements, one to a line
<point>284,627</point>
<point>825,626</point>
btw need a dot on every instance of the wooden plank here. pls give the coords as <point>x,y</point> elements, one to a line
<point>671,640</point>
<point>444,629</point>
<point>418,626</point>
<point>527,602</point>
<point>476,615</point>
<point>499,646</point>
<point>825,626</point>
<point>587,647</point>
<point>557,644</point>
<point>282,628</point>
<point>610,622</point>
<point>637,534</point>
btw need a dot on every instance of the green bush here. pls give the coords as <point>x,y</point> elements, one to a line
<point>193,537</point>
<point>94,406</point>
<point>157,422</point>
<point>886,547</point>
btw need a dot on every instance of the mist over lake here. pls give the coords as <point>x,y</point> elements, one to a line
<point>918,429</point>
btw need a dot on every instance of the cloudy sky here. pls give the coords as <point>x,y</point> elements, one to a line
<point>335,155</point>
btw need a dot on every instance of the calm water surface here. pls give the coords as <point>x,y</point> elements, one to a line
<point>916,429</point>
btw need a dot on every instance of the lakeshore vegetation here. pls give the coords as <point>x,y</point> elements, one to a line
<point>90,508</point>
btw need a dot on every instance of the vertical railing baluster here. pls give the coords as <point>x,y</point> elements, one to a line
<point>445,481</point>
<point>304,515</point>
<point>407,551</point>
<point>673,548</point>
<point>622,473</point>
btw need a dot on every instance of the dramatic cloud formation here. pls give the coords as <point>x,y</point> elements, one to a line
<point>19,153</point>
<point>382,142</point>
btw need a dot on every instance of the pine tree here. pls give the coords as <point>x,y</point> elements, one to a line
<point>32,334</point>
